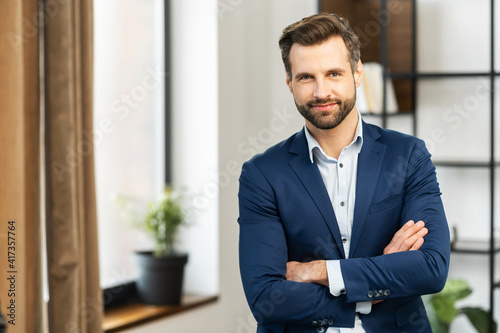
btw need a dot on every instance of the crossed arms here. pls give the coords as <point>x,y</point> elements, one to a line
<point>409,238</point>
<point>269,259</point>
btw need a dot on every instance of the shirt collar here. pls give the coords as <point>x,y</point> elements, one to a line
<point>313,144</point>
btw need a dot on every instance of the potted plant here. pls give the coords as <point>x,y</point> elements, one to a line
<point>442,311</point>
<point>161,270</point>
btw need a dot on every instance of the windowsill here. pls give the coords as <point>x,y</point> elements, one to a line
<point>135,314</point>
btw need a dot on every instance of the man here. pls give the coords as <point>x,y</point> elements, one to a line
<point>328,241</point>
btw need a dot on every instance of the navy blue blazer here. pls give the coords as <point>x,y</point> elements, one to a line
<point>286,214</point>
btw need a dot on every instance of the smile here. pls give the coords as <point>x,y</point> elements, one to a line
<point>324,107</point>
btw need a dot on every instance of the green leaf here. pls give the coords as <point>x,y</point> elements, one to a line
<point>441,308</point>
<point>436,325</point>
<point>444,308</point>
<point>479,318</point>
<point>455,290</point>
<point>440,327</point>
<point>443,303</point>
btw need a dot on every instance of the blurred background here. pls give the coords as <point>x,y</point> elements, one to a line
<point>184,92</point>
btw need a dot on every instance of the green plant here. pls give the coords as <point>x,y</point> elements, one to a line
<point>161,220</point>
<point>442,311</point>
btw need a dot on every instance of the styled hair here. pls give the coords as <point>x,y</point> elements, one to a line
<point>317,29</point>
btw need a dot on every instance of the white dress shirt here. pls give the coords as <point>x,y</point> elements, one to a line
<point>339,176</point>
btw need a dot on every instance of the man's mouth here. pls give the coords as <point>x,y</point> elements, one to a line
<point>324,107</point>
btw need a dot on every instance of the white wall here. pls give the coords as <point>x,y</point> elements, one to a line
<point>255,110</point>
<point>195,130</point>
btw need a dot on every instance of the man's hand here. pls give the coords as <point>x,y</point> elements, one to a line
<point>409,238</point>
<point>310,272</point>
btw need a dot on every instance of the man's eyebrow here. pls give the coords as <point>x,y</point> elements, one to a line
<point>337,70</point>
<point>299,75</point>
<point>331,70</point>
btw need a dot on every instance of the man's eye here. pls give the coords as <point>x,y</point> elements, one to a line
<point>305,77</point>
<point>334,74</point>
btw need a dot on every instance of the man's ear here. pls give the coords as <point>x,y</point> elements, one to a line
<point>358,74</point>
<point>289,83</point>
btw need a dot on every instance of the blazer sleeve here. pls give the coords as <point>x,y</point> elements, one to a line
<point>263,256</point>
<point>408,273</point>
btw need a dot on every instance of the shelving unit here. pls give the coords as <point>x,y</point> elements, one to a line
<point>405,69</point>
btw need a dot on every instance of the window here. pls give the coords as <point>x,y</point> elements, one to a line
<point>129,132</point>
<point>129,127</point>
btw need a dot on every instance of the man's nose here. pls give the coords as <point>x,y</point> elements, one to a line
<point>321,90</point>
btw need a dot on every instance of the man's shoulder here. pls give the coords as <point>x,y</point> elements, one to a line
<point>388,136</point>
<point>398,144</point>
<point>277,152</point>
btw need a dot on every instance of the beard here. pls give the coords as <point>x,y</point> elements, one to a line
<point>327,119</point>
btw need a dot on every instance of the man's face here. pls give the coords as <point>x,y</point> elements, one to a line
<point>322,82</point>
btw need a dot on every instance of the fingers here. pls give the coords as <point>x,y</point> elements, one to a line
<point>414,240</point>
<point>418,243</point>
<point>409,237</point>
<point>411,232</point>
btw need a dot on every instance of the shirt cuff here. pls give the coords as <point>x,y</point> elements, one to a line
<point>335,279</point>
<point>337,286</point>
<point>364,307</point>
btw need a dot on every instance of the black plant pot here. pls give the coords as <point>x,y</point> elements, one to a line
<point>160,278</point>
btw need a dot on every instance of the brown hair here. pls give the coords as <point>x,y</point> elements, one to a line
<point>317,29</point>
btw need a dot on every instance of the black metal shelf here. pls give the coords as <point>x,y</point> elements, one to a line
<point>490,247</point>
<point>474,247</point>
<point>465,164</point>
<point>416,75</point>
<point>400,113</point>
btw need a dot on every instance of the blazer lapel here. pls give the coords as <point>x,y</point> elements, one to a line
<point>310,178</point>
<point>369,166</point>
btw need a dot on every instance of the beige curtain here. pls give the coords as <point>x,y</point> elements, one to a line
<point>20,284</point>
<point>75,297</point>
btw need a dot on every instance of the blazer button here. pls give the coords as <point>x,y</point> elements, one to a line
<point>387,292</point>
<point>315,323</point>
<point>375,293</point>
<point>323,322</point>
<point>330,322</point>
<point>369,294</point>
<point>380,293</point>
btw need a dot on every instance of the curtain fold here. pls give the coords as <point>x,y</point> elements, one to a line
<point>20,223</point>
<point>73,271</point>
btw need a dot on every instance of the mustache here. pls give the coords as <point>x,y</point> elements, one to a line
<point>323,101</point>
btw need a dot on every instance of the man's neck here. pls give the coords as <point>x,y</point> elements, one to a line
<point>334,140</point>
